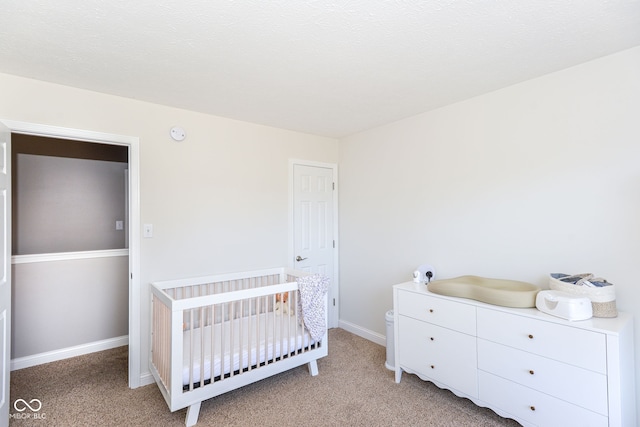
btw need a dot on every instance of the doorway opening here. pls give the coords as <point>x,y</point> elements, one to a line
<point>69,248</point>
<point>129,256</point>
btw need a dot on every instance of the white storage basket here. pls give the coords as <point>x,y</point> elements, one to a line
<point>603,298</point>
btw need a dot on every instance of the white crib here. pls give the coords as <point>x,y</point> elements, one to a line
<point>211,335</point>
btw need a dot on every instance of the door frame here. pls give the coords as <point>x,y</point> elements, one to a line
<point>134,218</point>
<point>334,310</point>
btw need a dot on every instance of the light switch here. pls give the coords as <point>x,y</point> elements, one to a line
<point>119,225</point>
<point>147,230</point>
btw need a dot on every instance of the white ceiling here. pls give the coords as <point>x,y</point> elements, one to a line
<point>323,67</point>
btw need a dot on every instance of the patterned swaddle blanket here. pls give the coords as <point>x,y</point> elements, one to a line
<point>311,303</point>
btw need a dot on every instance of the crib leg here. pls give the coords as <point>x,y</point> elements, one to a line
<point>313,368</point>
<point>192,414</point>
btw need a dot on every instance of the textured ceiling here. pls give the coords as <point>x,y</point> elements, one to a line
<point>324,67</point>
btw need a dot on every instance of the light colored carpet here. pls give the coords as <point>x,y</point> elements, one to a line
<point>353,388</point>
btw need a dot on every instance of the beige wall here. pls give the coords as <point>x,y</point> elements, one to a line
<point>217,200</point>
<point>62,304</point>
<point>64,204</point>
<point>540,177</point>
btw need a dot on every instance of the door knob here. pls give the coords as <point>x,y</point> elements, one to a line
<point>299,258</point>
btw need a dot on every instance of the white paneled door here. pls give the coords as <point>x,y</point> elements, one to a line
<point>5,271</point>
<point>314,245</point>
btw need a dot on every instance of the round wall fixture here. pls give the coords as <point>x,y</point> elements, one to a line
<point>177,133</point>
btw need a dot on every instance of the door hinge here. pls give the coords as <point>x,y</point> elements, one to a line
<point>334,185</point>
<point>334,302</point>
<point>334,244</point>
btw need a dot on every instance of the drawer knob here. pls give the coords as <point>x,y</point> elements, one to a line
<point>530,336</point>
<point>533,408</point>
<point>431,338</point>
<point>433,367</point>
<point>531,372</point>
<point>431,310</point>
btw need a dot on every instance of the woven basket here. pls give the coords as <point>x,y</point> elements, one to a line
<point>603,299</point>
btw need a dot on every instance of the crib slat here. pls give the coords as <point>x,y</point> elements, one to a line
<point>191,349</point>
<point>231,338</point>
<point>202,346</point>
<point>241,336</point>
<point>289,312</point>
<point>213,341</point>
<point>281,322</point>
<point>300,322</point>
<point>275,332</point>
<point>263,342</point>
<point>249,335</point>
<point>223,333</point>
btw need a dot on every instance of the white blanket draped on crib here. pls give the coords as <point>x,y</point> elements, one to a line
<point>312,303</point>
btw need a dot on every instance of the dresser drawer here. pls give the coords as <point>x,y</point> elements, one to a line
<point>449,314</point>
<point>533,406</point>
<point>574,346</point>
<point>443,355</point>
<point>576,385</point>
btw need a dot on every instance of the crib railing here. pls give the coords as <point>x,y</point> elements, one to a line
<point>161,339</point>
<point>230,326</point>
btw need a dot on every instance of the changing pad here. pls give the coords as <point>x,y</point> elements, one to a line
<point>506,293</point>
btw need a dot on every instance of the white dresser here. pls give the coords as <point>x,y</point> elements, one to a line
<point>524,364</point>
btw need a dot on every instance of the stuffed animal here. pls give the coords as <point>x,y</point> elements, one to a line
<point>281,304</point>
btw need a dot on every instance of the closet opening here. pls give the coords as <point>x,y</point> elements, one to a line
<point>70,256</point>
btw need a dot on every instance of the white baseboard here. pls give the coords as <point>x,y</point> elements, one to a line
<point>364,333</point>
<point>65,353</point>
<point>146,379</point>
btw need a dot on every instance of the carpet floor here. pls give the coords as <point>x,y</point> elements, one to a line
<point>353,388</point>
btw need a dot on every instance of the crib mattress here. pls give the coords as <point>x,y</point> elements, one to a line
<point>261,339</point>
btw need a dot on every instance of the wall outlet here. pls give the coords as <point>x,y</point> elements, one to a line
<point>147,230</point>
<point>119,225</point>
